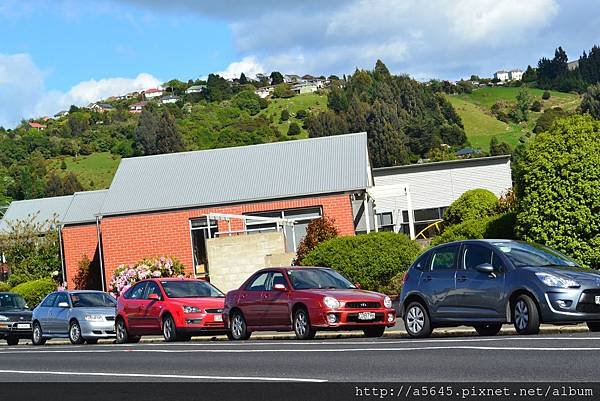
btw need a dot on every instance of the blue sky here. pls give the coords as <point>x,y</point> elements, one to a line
<point>57,52</point>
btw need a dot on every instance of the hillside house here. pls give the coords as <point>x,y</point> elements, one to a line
<point>137,107</point>
<point>38,126</point>
<point>100,107</point>
<point>515,75</point>
<point>501,75</point>
<point>305,88</point>
<point>153,93</point>
<point>264,92</point>
<point>195,89</point>
<point>169,99</point>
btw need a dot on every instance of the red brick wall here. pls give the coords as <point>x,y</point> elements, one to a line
<point>127,239</point>
<point>78,241</point>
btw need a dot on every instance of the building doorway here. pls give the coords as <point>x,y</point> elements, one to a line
<point>201,229</point>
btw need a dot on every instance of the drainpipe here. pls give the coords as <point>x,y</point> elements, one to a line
<point>62,257</point>
<point>100,257</point>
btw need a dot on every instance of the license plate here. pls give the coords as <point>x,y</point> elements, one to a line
<point>23,326</point>
<point>597,299</point>
<point>366,316</point>
<point>218,318</point>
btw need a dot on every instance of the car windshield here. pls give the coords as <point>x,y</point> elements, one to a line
<point>306,279</point>
<point>92,300</point>
<point>191,289</point>
<point>534,255</point>
<point>12,302</point>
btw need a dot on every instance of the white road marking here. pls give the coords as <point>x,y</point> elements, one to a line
<point>161,376</point>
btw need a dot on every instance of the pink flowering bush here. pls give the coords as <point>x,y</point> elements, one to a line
<point>127,275</point>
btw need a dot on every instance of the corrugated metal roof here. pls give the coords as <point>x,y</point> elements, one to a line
<point>43,209</point>
<point>84,207</point>
<point>241,174</point>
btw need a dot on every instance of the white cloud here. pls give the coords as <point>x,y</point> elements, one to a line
<point>23,94</point>
<point>248,65</point>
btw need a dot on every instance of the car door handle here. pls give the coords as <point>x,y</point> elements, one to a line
<point>427,278</point>
<point>461,278</point>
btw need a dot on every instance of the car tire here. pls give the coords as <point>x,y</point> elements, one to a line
<point>75,333</point>
<point>169,329</point>
<point>416,320</point>
<point>12,340</point>
<point>302,326</point>
<point>239,329</point>
<point>91,341</point>
<point>525,315</point>
<point>123,336</point>
<point>373,332</point>
<point>37,337</point>
<point>593,326</point>
<point>488,329</point>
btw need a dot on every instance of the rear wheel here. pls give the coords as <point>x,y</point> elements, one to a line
<point>12,340</point>
<point>123,335</point>
<point>373,332</point>
<point>37,337</point>
<point>488,329</point>
<point>416,321</point>
<point>302,327</point>
<point>75,333</point>
<point>525,315</point>
<point>239,329</point>
<point>593,326</point>
<point>168,329</point>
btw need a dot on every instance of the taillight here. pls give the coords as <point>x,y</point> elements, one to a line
<point>405,277</point>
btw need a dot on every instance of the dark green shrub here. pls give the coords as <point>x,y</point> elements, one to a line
<point>4,286</point>
<point>536,106</point>
<point>285,115</point>
<point>546,95</point>
<point>35,291</point>
<point>294,129</point>
<point>301,114</point>
<point>471,205</point>
<point>500,226</point>
<point>374,260</point>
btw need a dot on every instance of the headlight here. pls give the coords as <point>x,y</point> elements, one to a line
<point>191,309</point>
<point>94,318</point>
<point>3,318</point>
<point>331,302</point>
<point>552,280</point>
<point>387,302</point>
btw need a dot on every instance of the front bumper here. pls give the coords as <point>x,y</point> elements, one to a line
<point>103,329</point>
<point>20,329</point>
<point>571,305</point>
<point>202,324</point>
<point>352,319</point>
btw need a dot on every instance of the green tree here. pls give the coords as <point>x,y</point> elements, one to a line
<point>71,184</point>
<point>276,78</point>
<point>283,91</point>
<point>54,186</point>
<point>168,137</point>
<point>499,148</point>
<point>285,115</point>
<point>243,80</point>
<point>63,164</point>
<point>546,95</point>
<point>558,189</point>
<point>145,133</point>
<point>217,88</point>
<point>249,101</point>
<point>545,121</point>
<point>521,111</point>
<point>294,129</point>
<point>318,231</point>
<point>591,101</point>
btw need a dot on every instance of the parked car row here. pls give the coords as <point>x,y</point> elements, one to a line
<point>480,283</point>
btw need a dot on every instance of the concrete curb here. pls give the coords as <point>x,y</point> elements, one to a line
<point>393,333</point>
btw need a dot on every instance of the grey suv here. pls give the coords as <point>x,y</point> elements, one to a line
<point>486,283</point>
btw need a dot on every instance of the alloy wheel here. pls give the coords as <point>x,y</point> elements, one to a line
<point>169,329</point>
<point>75,333</point>
<point>237,326</point>
<point>415,319</point>
<point>37,336</point>
<point>121,331</point>
<point>521,315</point>
<point>301,324</point>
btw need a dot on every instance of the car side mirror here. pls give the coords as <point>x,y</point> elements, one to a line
<point>485,268</point>
<point>279,287</point>
<point>154,297</point>
<point>357,285</point>
<point>63,304</point>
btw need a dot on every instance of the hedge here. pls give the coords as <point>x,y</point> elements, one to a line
<point>4,286</point>
<point>35,291</point>
<point>498,226</point>
<point>377,261</point>
<point>473,204</point>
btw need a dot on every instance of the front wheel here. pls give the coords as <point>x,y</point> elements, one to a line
<point>373,332</point>
<point>37,338</point>
<point>239,329</point>
<point>593,326</point>
<point>12,340</point>
<point>302,327</point>
<point>75,333</point>
<point>525,315</point>
<point>416,321</point>
<point>488,329</point>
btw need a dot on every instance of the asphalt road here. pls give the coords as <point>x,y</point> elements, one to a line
<point>561,357</point>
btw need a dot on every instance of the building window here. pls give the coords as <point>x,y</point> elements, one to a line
<point>293,235</point>
<point>201,230</point>
<point>423,218</point>
<point>385,221</point>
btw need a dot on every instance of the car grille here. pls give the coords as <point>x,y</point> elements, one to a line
<point>353,318</point>
<point>587,302</point>
<point>110,318</point>
<point>359,305</point>
<point>214,310</point>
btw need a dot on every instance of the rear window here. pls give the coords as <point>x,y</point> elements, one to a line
<point>421,262</point>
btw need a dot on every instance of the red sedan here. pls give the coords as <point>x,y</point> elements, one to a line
<point>177,308</point>
<point>304,299</point>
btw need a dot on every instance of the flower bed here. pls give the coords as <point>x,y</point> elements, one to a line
<point>126,275</point>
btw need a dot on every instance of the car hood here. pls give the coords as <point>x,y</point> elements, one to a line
<point>200,302</point>
<point>349,295</point>
<point>17,315</point>
<point>104,311</point>
<point>574,273</point>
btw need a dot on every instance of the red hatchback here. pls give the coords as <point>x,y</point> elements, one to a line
<point>177,308</point>
<point>304,299</point>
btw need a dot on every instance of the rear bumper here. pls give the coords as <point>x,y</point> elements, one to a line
<point>11,329</point>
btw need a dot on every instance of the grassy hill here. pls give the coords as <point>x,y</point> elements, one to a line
<point>480,125</point>
<point>311,102</point>
<point>95,171</point>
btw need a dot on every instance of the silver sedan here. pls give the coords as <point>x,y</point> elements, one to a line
<point>81,316</point>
